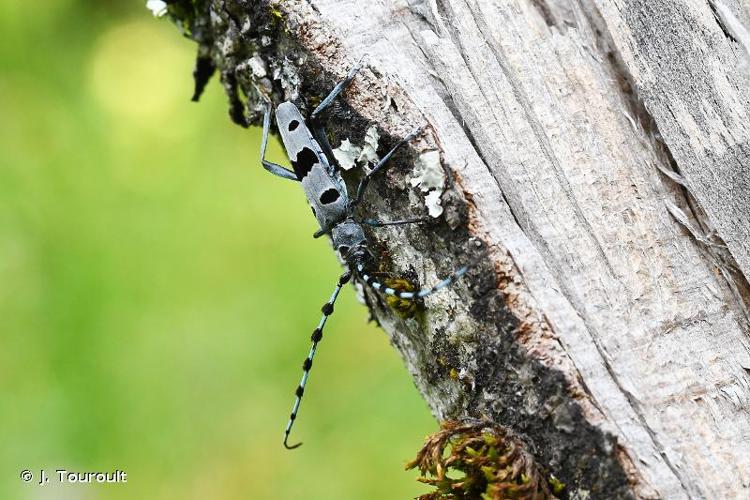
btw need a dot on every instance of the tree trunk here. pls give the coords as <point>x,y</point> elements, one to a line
<point>599,148</point>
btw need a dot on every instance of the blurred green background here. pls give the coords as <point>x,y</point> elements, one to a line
<point>158,288</point>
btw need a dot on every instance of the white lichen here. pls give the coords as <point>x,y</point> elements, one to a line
<point>347,154</point>
<point>290,79</point>
<point>429,176</point>
<point>428,172</point>
<point>369,152</point>
<point>432,202</point>
<point>257,66</point>
<point>157,7</point>
<point>350,155</point>
<point>230,45</point>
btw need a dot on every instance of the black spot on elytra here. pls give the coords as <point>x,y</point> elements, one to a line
<point>329,196</point>
<point>314,213</point>
<point>293,125</point>
<point>304,162</point>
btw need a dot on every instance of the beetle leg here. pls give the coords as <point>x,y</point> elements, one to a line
<point>274,168</point>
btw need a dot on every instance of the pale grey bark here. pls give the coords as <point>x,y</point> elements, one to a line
<point>601,148</point>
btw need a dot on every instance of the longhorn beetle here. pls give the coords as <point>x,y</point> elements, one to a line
<point>314,166</point>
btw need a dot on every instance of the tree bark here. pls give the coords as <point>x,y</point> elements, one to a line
<point>599,149</point>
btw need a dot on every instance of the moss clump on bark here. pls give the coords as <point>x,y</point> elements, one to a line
<point>480,460</point>
<point>404,308</point>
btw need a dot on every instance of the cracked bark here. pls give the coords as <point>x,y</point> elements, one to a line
<point>600,148</point>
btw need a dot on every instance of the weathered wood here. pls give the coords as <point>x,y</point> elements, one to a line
<point>598,144</point>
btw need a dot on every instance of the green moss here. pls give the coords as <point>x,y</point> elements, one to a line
<point>277,13</point>
<point>480,460</point>
<point>404,308</point>
<point>557,485</point>
<point>277,18</point>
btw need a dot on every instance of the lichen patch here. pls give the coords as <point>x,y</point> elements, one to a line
<point>369,152</point>
<point>429,176</point>
<point>347,154</point>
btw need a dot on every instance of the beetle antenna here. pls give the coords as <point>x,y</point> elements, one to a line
<point>316,337</point>
<point>415,295</point>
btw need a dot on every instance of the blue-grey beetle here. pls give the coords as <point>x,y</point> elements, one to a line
<point>314,166</point>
